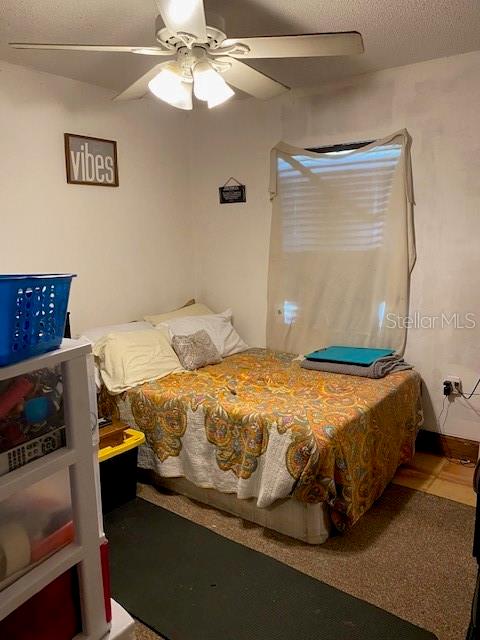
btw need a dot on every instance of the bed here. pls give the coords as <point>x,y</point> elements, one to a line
<point>295,450</point>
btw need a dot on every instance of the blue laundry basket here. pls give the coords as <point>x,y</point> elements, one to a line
<point>33,310</point>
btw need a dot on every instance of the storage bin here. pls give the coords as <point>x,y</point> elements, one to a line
<point>34,523</point>
<point>32,420</point>
<point>33,310</point>
<point>107,591</point>
<point>118,470</point>
<point>51,614</point>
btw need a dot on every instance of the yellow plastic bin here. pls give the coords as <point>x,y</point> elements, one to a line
<point>118,470</point>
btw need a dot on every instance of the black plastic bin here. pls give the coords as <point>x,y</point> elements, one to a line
<point>118,471</point>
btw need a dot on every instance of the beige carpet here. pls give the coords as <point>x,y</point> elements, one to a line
<point>410,555</point>
<point>144,633</point>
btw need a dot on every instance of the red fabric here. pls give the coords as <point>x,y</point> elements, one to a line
<point>14,394</point>
<point>51,614</point>
<point>106,579</point>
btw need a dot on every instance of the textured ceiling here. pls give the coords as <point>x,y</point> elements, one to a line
<point>395,32</point>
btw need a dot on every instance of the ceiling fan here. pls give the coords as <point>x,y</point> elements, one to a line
<point>203,61</point>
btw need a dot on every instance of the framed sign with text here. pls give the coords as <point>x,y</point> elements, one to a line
<point>232,193</point>
<point>91,161</point>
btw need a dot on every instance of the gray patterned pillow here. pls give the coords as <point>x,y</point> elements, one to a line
<point>196,350</point>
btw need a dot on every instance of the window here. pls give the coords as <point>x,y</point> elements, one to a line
<point>348,213</point>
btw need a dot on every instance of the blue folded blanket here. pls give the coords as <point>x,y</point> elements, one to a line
<point>364,356</point>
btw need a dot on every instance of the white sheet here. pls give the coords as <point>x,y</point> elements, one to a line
<point>342,246</point>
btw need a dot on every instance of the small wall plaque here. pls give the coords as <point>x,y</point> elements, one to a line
<point>232,193</point>
<point>91,161</point>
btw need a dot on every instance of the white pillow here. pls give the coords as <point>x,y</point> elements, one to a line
<point>95,334</point>
<point>99,332</point>
<point>128,359</point>
<point>196,309</point>
<point>218,326</point>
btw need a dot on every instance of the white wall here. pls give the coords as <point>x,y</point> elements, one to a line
<point>162,237</point>
<point>437,102</point>
<point>131,245</point>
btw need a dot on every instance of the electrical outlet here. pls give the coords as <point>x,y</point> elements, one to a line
<point>456,384</point>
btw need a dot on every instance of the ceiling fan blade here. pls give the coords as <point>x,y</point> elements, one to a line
<point>184,16</point>
<point>250,80</point>
<point>301,46</point>
<point>140,87</point>
<point>154,51</point>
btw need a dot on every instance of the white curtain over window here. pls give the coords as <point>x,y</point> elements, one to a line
<point>342,246</point>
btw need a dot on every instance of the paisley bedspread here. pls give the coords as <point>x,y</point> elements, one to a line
<point>258,425</point>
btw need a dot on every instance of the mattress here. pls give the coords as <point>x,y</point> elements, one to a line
<point>259,426</point>
<point>306,522</point>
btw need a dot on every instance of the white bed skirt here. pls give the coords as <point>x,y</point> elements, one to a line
<point>307,522</point>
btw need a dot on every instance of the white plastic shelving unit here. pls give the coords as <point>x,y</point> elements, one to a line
<point>123,627</point>
<point>77,457</point>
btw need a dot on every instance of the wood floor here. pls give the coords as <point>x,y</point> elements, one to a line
<point>440,477</point>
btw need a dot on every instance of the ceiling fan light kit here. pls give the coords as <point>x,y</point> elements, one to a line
<point>208,84</point>
<point>173,84</point>
<point>170,87</point>
<point>204,62</point>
